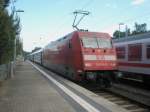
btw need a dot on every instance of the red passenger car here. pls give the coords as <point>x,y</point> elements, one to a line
<point>133,54</point>
<point>82,56</point>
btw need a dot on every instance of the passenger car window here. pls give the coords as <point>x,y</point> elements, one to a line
<point>148,51</point>
<point>121,51</point>
<point>134,52</point>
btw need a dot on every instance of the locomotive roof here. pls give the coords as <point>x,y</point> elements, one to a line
<point>85,33</point>
<point>40,50</point>
<point>79,33</point>
<point>102,34</point>
<point>132,38</point>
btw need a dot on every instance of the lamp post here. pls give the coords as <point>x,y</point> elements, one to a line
<point>16,11</point>
<point>19,10</point>
<point>120,27</point>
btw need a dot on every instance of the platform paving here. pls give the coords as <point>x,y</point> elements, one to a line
<point>29,91</point>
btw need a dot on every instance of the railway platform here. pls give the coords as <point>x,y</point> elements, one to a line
<point>35,89</point>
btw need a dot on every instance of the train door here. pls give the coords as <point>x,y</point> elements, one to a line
<point>68,59</point>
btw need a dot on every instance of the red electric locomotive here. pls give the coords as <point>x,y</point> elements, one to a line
<point>82,56</point>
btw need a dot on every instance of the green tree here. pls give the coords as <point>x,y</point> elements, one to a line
<point>140,28</point>
<point>19,46</point>
<point>121,34</point>
<point>9,30</point>
<point>4,3</point>
<point>118,34</point>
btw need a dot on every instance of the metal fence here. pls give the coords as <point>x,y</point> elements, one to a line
<point>6,71</point>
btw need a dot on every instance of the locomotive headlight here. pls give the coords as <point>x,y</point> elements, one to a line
<point>79,71</point>
<point>110,57</point>
<point>115,58</point>
<point>90,57</point>
<point>113,64</point>
<point>88,64</point>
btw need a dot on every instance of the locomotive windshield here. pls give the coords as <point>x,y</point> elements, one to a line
<point>104,43</point>
<point>96,42</point>
<point>90,42</point>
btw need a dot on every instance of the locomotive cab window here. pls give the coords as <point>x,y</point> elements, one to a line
<point>104,43</point>
<point>148,51</point>
<point>89,42</point>
<point>94,42</point>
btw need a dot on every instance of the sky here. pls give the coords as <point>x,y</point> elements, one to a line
<point>44,21</point>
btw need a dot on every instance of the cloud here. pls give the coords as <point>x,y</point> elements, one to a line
<point>137,2</point>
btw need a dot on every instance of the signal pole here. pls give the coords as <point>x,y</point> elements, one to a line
<point>120,28</point>
<point>126,31</point>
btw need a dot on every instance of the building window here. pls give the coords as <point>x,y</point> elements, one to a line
<point>121,52</point>
<point>134,52</point>
<point>148,51</point>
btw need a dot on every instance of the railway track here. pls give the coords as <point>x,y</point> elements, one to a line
<point>119,97</point>
<point>129,98</point>
<point>134,83</point>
